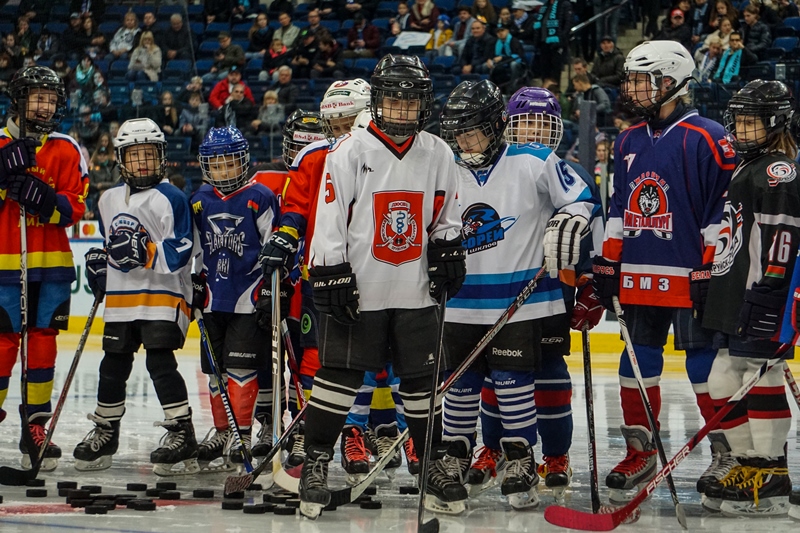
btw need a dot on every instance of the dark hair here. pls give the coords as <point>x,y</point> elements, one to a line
<point>580,78</point>
<point>580,61</point>
<point>734,32</point>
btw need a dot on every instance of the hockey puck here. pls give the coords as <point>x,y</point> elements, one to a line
<point>133,503</point>
<point>155,493</point>
<point>255,486</point>
<point>238,495</point>
<point>122,499</point>
<point>108,504</point>
<point>258,508</point>
<point>279,498</point>
<point>167,485</point>
<point>362,499</point>
<point>34,483</point>
<point>170,495</point>
<point>77,494</point>
<point>136,487</point>
<point>64,493</point>
<point>67,485</point>
<point>81,502</point>
<point>285,511</point>
<point>146,506</point>
<point>371,505</point>
<point>1,498</point>
<point>284,492</point>
<point>36,493</point>
<point>93,489</point>
<point>409,490</point>
<point>232,505</point>
<point>95,509</point>
<point>372,490</point>
<point>203,493</point>
<point>293,502</point>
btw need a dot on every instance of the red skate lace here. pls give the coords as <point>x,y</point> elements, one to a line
<point>355,447</point>
<point>411,451</point>
<point>554,464</point>
<point>634,462</point>
<point>486,459</point>
<point>39,434</point>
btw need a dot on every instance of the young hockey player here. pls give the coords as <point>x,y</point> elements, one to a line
<point>233,218</point>
<point>758,243</point>
<point>671,172</point>
<point>554,207</point>
<point>145,273</point>
<point>42,172</point>
<point>389,248</point>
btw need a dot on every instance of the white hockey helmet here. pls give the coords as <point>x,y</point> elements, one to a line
<point>141,131</point>
<point>342,102</point>
<point>362,120</point>
<point>659,60</point>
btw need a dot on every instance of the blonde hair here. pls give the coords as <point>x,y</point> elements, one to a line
<point>145,35</point>
<point>269,94</point>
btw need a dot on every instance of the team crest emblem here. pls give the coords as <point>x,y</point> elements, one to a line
<point>648,207</point>
<point>781,172</point>
<point>483,228</point>
<point>729,241</point>
<point>397,238</point>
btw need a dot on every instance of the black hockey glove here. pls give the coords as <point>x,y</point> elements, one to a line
<point>699,280</point>
<point>96,271</point>
<point>762,312</point>
<point>37,197</point>
<point>264,303</point>
<point>15,158</point>
<point>199,292</point>
<point>336,292</point>
<point>129,249</point>
<point>605,280</point>
<point>447,267</point>
<point>277,252</point>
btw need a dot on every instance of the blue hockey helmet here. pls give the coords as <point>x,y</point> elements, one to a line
<point>534,115</point>
<point>224,159</point>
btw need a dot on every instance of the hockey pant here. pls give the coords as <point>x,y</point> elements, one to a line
<point>378,402</point>
<point>41,369</point>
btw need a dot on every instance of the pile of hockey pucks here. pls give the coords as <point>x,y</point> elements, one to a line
<point>35,492</point>
<point>282,503</point>
<point>91,499</point>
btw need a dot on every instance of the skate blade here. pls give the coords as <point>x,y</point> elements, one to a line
<point>184,468</point>
<point>623,496</point>
<point>311,510</point>
<point>48,463</point>
<point>101,463</point>
<point>524,500</point>
<point>355,479</point>
<point>559,494</point>
<point>710,504</point>
<point>391,473</point>
<point>434,504</point>
<point>777,506</point>
<point>479,488</point>
<point>794,512</point>
<point>211,467</point>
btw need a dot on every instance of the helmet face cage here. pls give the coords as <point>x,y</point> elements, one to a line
<point>302,128</point>
<point>402,95</point>
<point>342,102</point>
<point>475,146</point>
<point>142,165</point>
<point>335,127</point>
<point>226,172</point>
<point>535,127</point>
<point>659,61</point>
<point>36,87</point>
<point>752,128</point>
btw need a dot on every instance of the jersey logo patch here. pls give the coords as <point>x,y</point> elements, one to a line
<point>483,228</point>
<point>781,172</point>
<point>397,238</point>
<point>648,207</point>
<point>727,149</point>
<point>223,236</point>
<point>729,241</point>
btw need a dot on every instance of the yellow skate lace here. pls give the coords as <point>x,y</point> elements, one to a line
<point>756,479</point>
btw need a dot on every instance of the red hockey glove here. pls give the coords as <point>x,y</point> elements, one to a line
<point>588,310</point>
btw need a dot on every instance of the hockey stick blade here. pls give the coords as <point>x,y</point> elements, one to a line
<point>583,521</point>
<point>431,526</point>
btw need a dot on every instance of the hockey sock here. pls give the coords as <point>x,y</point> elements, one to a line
<point>169,384</point>
<point>243,389</point>
<point>332,397</point>
<point>515,399</point>
<point>491,424</point>
<point>698,367</point>
<point>724,380</point>
<point>9,349</point>
<point>554,405</point>
<point>359,412</point>
<point>394,385</point>
<point>264,398</point>
<point>651,364</point>
<point>41,369</point>
<point>382,410</point>
<point>217,407</point>
<point>768,411</point>
<point>462,406</point>
<point>115,369</point>
<point>416,394</point>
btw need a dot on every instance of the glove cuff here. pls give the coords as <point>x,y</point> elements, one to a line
<point>774,299</point>
<point>333,270</point>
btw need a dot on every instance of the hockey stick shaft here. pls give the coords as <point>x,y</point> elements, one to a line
<point>277,400</point>
<point>589,394</point>
<point>651,420</point>
<point>294,370</point>
<point>793,388</point>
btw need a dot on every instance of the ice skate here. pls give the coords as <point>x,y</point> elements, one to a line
<point>51,454</point>
<point>721,461</point>
<point>638,467</point>
<point>412,461</point>
<point>794,504</point>
<point>385,436</point>
<point>487,470</point>
<point>520,480</point>
<point>263,444</point>
<point>211,454</point>
<point>98,447</point>
<point>445,489</point>
<point>235,455</point>
<point>295,446</point>
<point>355,457</point>
<point>557,474</point>
<point>178,450</point>
<point>712,497</point>
<point>314,492</point>
<point>765,493</point>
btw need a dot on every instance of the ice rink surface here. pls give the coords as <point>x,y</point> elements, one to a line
<point>488,513</point>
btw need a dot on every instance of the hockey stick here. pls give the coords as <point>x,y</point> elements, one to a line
<point>277,356</point>
<point>679,511</point>
<point>575,519</point>
<point>587,390</point>
<point>787,374</point>
<point>294,370</point>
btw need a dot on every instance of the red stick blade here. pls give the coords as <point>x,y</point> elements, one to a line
<point>574,519</point>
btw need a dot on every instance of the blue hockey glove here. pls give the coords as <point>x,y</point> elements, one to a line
<point>96,271</point>
<point>129,249</point>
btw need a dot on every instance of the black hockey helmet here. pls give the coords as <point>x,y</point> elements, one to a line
<point>401,79</point>
<point>475,106</point>
<point>300,129</point>
<point>772,103</point>
<point>32,78</point>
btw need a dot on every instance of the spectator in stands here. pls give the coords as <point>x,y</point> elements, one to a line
<point>327,8</point>
<point>222,90</point>
<point>604,165</point>
<point>193,122</point>
<point>94,42</point>
<point>243,10</point>
<point>685,6</point>
<point>609,65</point>
<point>103,106</point>
<point>304,52</point>
<point>105,141</point>
<point>82,79</point>
<point>733,59</point>
<point>723,9</point>
<point>485,9</point>
<point>363,39</point>
<point>149,24</point>
<point>709,61</point>
<point>270,114</point>
<point>403,14</point>
<point>167,114</point>
<point>125,37</point>
<point>216,10</point>
<point>11,47</point>
<point>72,38</point>
<point>722,34</point>
<point>676,29</point>
<point>145,63</point>
<point>590,92</point>
<point>462,30</point>
<point>698,20</point>
<point>552,42</point>
<point>609,24</point>
<point>238,110</point>
<point>178,181</point>
<point>260,36</point>
<point>579,66</point>
<point>523,23</point>
<point>278,56</point>
<point>478,50</point>
<point>88,129</point>
<point>60,67</point>
<point>26,39</point>
<point>755,32</point>
<point>89,8</point>
<point>314,18</point>
<point>348,8</point>
<point>327,63</point>
<point>768,13</point>
<point>787,8</point>
<point>287,91</point>
<point>507,65</point>
<point>504,16</point>
<point>423,16</point>
<point>441,36</point>
<point>48,45</point>
<point>288,32</point>
<point>113,128</point>
<point>32,9</point>
<point>176,40</point>
<point>7,69</point>
<point>101,177</point>
<point>228,55</point>
<point>195,85</point>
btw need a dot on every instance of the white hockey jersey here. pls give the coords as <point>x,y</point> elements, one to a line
<point>162,289</point>
<point>379,205</point>
<point>505,211</point>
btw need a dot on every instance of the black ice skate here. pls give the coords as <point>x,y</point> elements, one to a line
<point>295,446</point>
<point>99,445</point>
<point>557,474</point>
<point>445,489</point>
<point>794,504</point>
<point>211,454</point>
<point>520,481</point>
<point>721,461</point>
<point>412,461</point>
<point>638,467</point>
<point>263,444</point>
<point>51,454</point>
<point>177,453</point>
<point>712,498</point>
<point>385,436</point>
<point>765,493</point>
<point>235,454</point>
<point>355,457</point>
<point>314,492</point>
<point>487,470</point>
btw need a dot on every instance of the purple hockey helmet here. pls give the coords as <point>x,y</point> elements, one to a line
<point>534,115</point>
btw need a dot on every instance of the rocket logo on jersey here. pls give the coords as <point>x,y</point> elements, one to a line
<point>483,228</point>
<point>223,236</point>
<point>397,236</point>
<point>648,207</point>
<point>121,224</point>
<point>729,241</point>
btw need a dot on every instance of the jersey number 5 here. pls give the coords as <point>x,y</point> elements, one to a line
<point>330,194</point>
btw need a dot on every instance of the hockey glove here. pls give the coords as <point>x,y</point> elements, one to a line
<point>264,303</point>
<point>762,312</point>
<point>605,280</point>
<point>562,241</point>
<point>15,158</point>
<point>447,267</point>
<point>96,270</point>
<point>336,292</point>
<point>129,249</point>
<point>699,280</point>
<point>588,310</point>
<point>199,292</point>
<point>37,197</point>
<point>277,252</point>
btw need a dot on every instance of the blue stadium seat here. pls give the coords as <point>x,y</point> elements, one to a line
<point>115,13</point>
<point>207,48</point>
<point>786,43</point>
<point>203,66</point>
<point>240,31</point>
<point>331,25</point>
<point>176,145</point>
<point>213,29</point>
<point>108,28</point>
<point>118,69</point>
<point>386,9</point>
<point>165,12</point>
<point>177,69</point>
<point>197,28</point>
<point>56,27</point>
<point>382,24</point>
<point>446,6</point>
<point>195,12</point>
<point>792,22</point>
<point>254,66</point>
<point>446,62</point>
<point>364,66</point>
